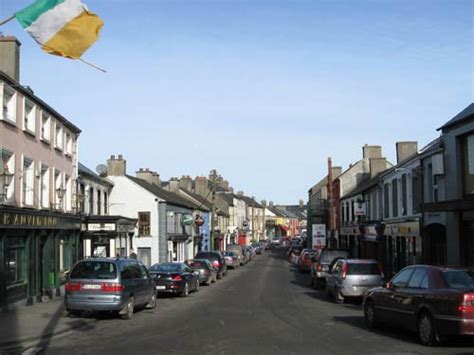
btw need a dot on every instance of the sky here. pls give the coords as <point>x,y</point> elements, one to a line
<point>264,91</point>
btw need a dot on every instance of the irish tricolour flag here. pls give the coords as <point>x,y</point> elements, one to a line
<point>62,27</point>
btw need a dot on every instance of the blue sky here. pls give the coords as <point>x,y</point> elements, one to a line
<point>263,91</point>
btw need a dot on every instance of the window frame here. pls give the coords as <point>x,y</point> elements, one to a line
<point>144,226</point>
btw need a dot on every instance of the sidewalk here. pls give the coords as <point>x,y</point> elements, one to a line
<point>42,320</point>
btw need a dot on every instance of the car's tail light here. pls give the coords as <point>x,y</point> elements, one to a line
<point>216,263</point>
<point>319,267</point>
<point>344,271</point>
<point>73,286</point>
<point>176,278</point>
<point>112,287</point>
<point>467,305</point>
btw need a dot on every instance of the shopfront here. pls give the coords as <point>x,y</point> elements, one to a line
<point>37,251</point>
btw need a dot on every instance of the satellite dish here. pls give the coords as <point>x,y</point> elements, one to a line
<point>101,169</point>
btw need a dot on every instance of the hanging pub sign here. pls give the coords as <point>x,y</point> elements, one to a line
<point>187,220</point>
<point>360,209</point>
<point>198,220</point>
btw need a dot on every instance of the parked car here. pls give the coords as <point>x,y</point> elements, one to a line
<point>321,265</point>
<point>275,242</point>
<point>216,259</point>
<point>237,249</point>
<point>305,259</point>
<point>250,252</point>
<point>435,302</point>
<point>207,273</point>
<point>294,252</point>
<point>352,278</point>
<point>231,259</point>
<point>101,284</point>
<point>257,248</point>
<point>175,278</point>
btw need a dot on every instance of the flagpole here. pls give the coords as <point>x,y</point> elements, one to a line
<point>8,19</point>
<point>92,65</point>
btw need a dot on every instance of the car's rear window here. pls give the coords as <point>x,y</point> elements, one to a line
<point>99,270</point>
<point>459,279</point>
<point>363,269</point>
<point>199,264</point>
<point>166,267</point>
<point>207,256</point>
<point>328,256</point>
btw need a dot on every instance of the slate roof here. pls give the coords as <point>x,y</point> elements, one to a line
<point>205,202</point>
<point>170,197</point>
<point>275,211</point>
<point>84,170</point>
<point>251,202</point>
<point>227,197</point>
<point>461,117</point>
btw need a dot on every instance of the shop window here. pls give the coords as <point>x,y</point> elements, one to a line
<point>468,163</point>
<point>28,180</point>
<point>9,104</point>
<point>16,260</point>
<point>44,186</point>
<point>29,113</point>
<point>143,223</point>
<point>45,127</point>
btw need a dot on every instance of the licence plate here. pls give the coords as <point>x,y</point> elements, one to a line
<point>160,287</point>
<point>91,287</point>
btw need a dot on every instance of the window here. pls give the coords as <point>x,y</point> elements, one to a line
<point>402,277</point>
<point>101,270</point>
<point>143,223</point>
<point>28,180</point>
<point>144,255</point>
<point>68,194</point>
<point>68,143</point>
<point>468,163</point>
<point>58,138</point>
<point>9,104</point>
<point>82,196</point>
<point>99,201</point>
<point>106,203</point>
<point>58,183</point>
<point>386,206</point>
<point>417,278</point>
<point>435,188</point>
<point>170,227</point>
<point>44,186</point>
<point>416,192</point>
<point>29,123</point>
<point>429,183</point>
<point>91,200</point>
<point>394,198</point>
<point>7,163</point>
<point>45,127</point>
<point>15,260</point>
<point>404,195</point>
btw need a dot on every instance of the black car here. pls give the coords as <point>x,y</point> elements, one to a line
<point>175,278</point>
<point>216,259</point>
<point>207,273</point>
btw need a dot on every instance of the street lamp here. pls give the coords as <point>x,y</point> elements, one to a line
<point>5,180</point>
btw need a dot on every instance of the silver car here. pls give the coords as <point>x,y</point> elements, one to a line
<point>352,278</point>
<point>101,284</point>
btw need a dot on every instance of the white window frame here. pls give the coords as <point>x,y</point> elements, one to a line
<point>44,186</point>
<point>58,136</point>
<point>9,157</point>
<point>29,119</point>
<point>9,108</point>
<point>69,143</point>
<point>28,182</point>
<point>45,127</point>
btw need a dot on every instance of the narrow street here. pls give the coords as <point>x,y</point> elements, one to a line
<point>266,307</point>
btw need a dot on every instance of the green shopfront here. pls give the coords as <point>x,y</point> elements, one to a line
<point>37,251</point>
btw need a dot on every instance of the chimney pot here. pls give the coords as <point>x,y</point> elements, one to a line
<point>120,157</point>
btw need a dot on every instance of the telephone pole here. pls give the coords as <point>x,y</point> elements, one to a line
<point>253,218</point>
<point>213,210</point>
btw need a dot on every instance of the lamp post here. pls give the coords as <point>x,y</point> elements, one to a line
<point>6,179</point>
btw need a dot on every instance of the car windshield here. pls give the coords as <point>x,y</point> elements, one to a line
<point>100,270</point>
<point>327,257</point>
<point>166,267</point>
<point>459,279</point>
<point>363,269</point>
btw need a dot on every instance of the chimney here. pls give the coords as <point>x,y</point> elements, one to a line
<point>377,165</point>
<point>200,186</point>
<point>371,151</point>
<point>270,203</point>
<point>10,56</point>
<point>301,203</point>
<point>186,183</point>
<point>173,184</point>
<point>150,177</point>
<point>116,167</point>
<point>406,150</point>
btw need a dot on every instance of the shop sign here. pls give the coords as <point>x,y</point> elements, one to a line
<point>360,209</point>
<point>319,236</point>
<point>187,220</point>
<point>101,227</point>
<point>33,220</point>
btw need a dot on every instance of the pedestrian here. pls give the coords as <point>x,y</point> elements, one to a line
<point>133,255</point>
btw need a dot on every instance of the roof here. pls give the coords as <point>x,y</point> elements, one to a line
<point>275,211</point>
<point>227,197</point>
<point>170,197</point>
<point>251,201</point>
<point>84,170</point>
<point>366,185</point>
<point>205,202</point>
<point>460,118</point>
<point>29,93</point>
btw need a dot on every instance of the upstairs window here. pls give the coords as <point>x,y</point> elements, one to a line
<point>468,164</point>
<point>386,201</point>
<point>9,104</point>
<point>68,143</point>
<point>58,138</point>
<point>44,186</point>
<point>404,195</point>
<point>28,181</point>
<point>143,223</point>
<point>29,123</point>
<point>45,127</point>
<point>58,183</point>
<point>99,201</point>
<point>7,164</point>
<point>394,198</point>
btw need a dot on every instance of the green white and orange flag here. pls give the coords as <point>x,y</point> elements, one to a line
<point>61,27</point>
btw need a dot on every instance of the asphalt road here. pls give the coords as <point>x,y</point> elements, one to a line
<point>264,308</point>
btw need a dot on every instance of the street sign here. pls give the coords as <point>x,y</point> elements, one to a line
<point>319,236</point>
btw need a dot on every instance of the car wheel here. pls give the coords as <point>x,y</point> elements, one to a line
<point>152,303</point>
<point>369,314</point>
<point>129,308</point>
<point>426,329</point>
<point>185,292</point>
<point>339,297</point>
<point>197,286</point>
